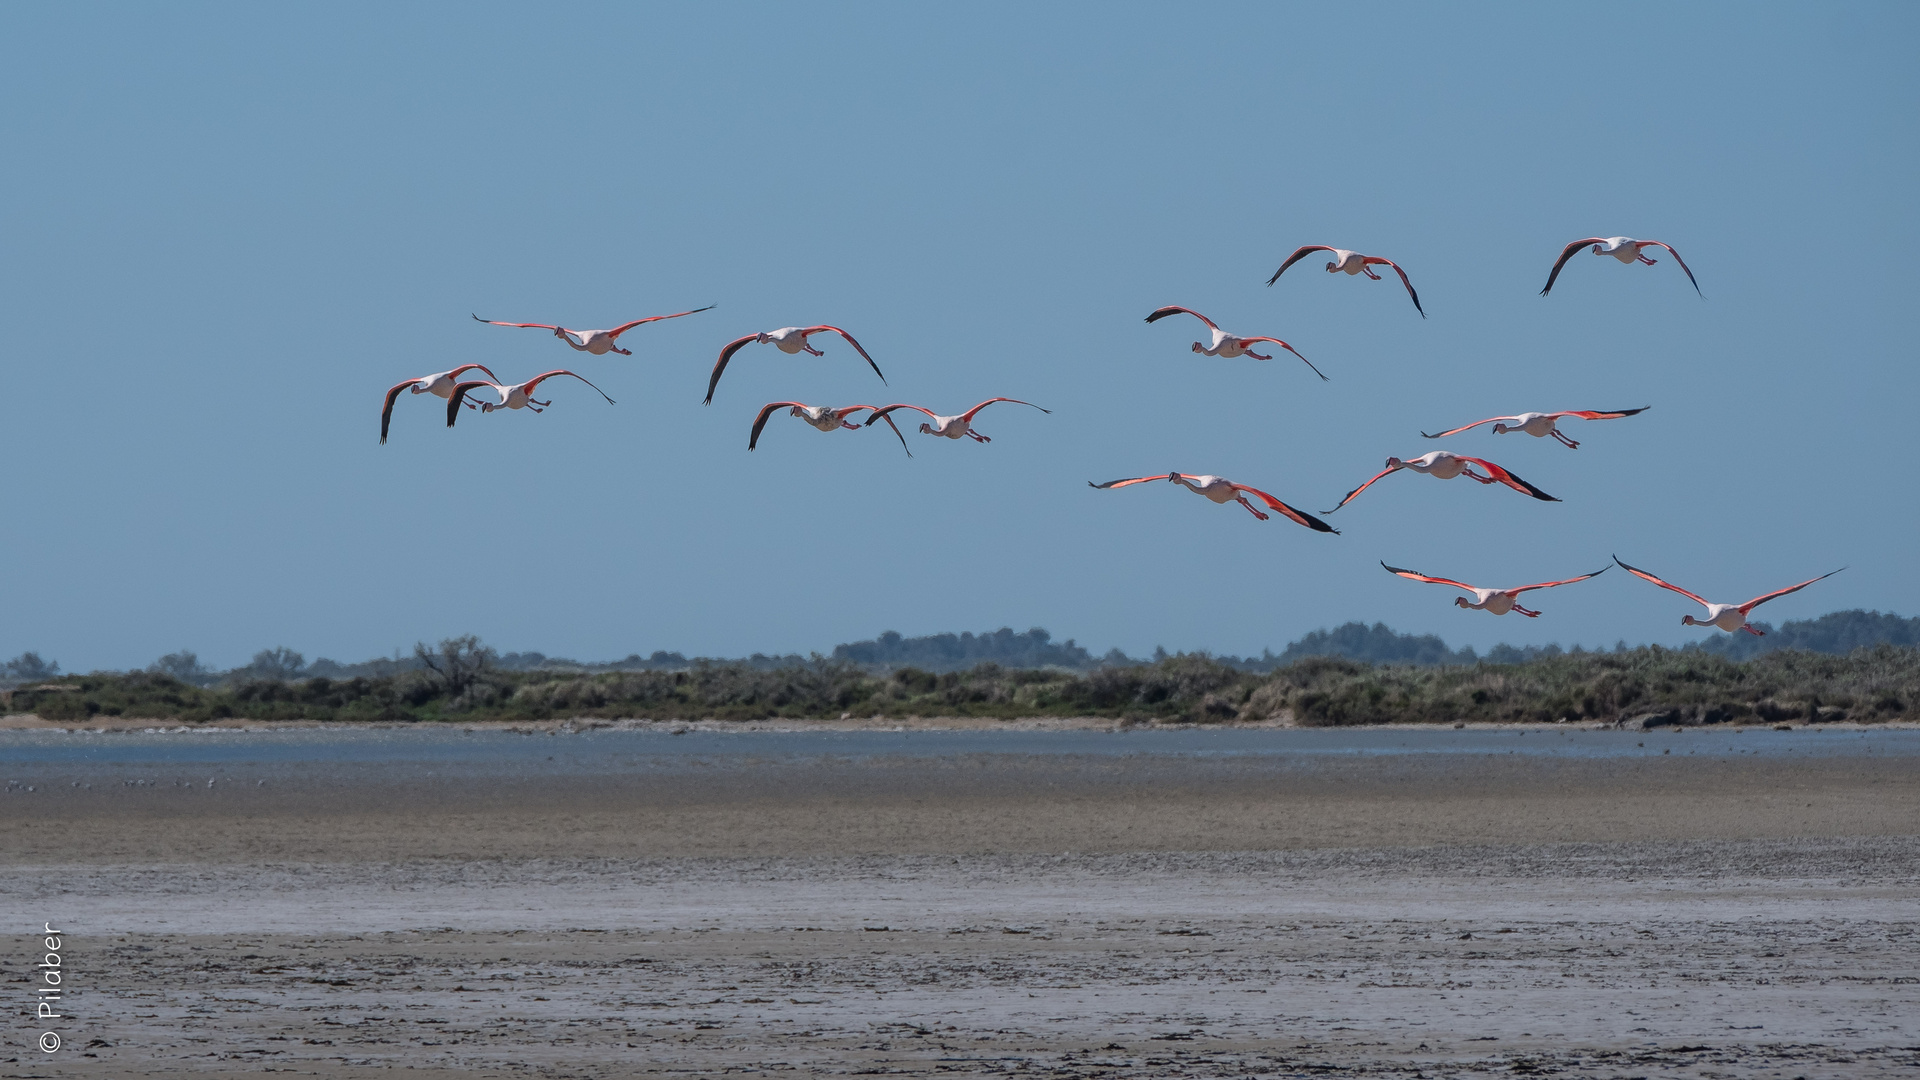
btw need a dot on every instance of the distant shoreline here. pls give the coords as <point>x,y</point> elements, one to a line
<point>582,725</point>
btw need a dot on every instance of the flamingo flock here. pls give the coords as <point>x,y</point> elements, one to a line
<point>490,394</point>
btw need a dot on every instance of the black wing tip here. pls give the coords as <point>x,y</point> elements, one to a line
<point>1424,435</point>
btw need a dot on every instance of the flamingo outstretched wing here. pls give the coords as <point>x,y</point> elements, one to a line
<point>527,387</point>
<point>720,365</point>
<point>1175,309</point>
<point>1565,254</point>
<point>885,409</point>
<point>1298,254</point>
<point>760,422</point>
<point>1130,481</point>
<point>1678,259</point>
<point>618,330</point>
<point>1289,512</point>
<point>1602,414</point>
<point>1512,481</point>
<point>850,341</point>
<point>1644,576</point>
<point>1758,600</point>
<point>1375,260</point>
<point>386,411</point>
<point>843,413</point>
<point>1250,340</point>
<point>527,325</point>
<point>1551,584</point>
<point>1415,575</point>
<point>1365,486</point>
<point>460,394</point>
<point>971,413</point>
<point>1469,427</point>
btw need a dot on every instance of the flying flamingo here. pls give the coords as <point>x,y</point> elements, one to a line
<point>1447,466</point>
<point>1728,617</point>
<point>821,416</point>
<point>791,340</point>
<point>953,427</point>
<point>1225,344</point>
<point>1223,491</point>
<point>1541,424</point>
<point>1497,601</point>
<point>597,342</point>
<point>1351,263</point>
<point>1624,248</point>
<point>516,396</point>
<point>439,384</point>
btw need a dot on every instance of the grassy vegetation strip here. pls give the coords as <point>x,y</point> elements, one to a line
<point>1649,684</point>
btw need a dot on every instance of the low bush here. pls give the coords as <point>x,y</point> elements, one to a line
<point>1681,686</point>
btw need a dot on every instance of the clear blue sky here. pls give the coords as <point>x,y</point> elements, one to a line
<point>229,229</point>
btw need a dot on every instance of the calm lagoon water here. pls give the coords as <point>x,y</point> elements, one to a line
<point>614,751</point>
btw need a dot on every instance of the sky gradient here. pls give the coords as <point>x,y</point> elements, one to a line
<point>231,228</point>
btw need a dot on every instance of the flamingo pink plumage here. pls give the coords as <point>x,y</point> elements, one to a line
<point>952,427</point>
<point>1540,425</point>
<point>439,384</point>
<point>514,396</point>
<point>1351,263</point>
<point>1728,617</point>
<point>1624,248</point>
<point>1446,466</point>
<point>597,342</point>
<point>788,339</point>
<point>1223,491</point>
<point>1224,344</point>
<point>824,417</point>
<point>1496,601</point>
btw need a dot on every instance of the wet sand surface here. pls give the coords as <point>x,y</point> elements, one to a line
<point>1146,915</point>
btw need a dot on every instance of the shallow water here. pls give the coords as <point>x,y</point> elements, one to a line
<point>613,751</point>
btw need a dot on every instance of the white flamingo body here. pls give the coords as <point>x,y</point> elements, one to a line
<point>596,342</point>
<point>1352,264</point>
<point>1228,346</point>
<point>440,384</point>
<point>1540,425</point>
<point>1728,617</point>
<point>951,427</point>
<point>1624,248</point>
<point>1492,601</point>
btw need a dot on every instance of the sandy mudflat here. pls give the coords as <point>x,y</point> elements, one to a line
<point>1391,915</point>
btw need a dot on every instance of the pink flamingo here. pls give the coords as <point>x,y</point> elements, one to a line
<point>1728,617</point>
<point>1624,248</point>
<point>1227,345</point>
<point>597,342</point>
<point>791,340</point>
<point>1446,466</point>
<point>1497,601</point>
<point>1223,491</point>
<point>1541,424</point>
<point>516,396</point>
<point>952,427</point>
<point>1351,263</point>
<point>823,417</point>
<point>439,384</point>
